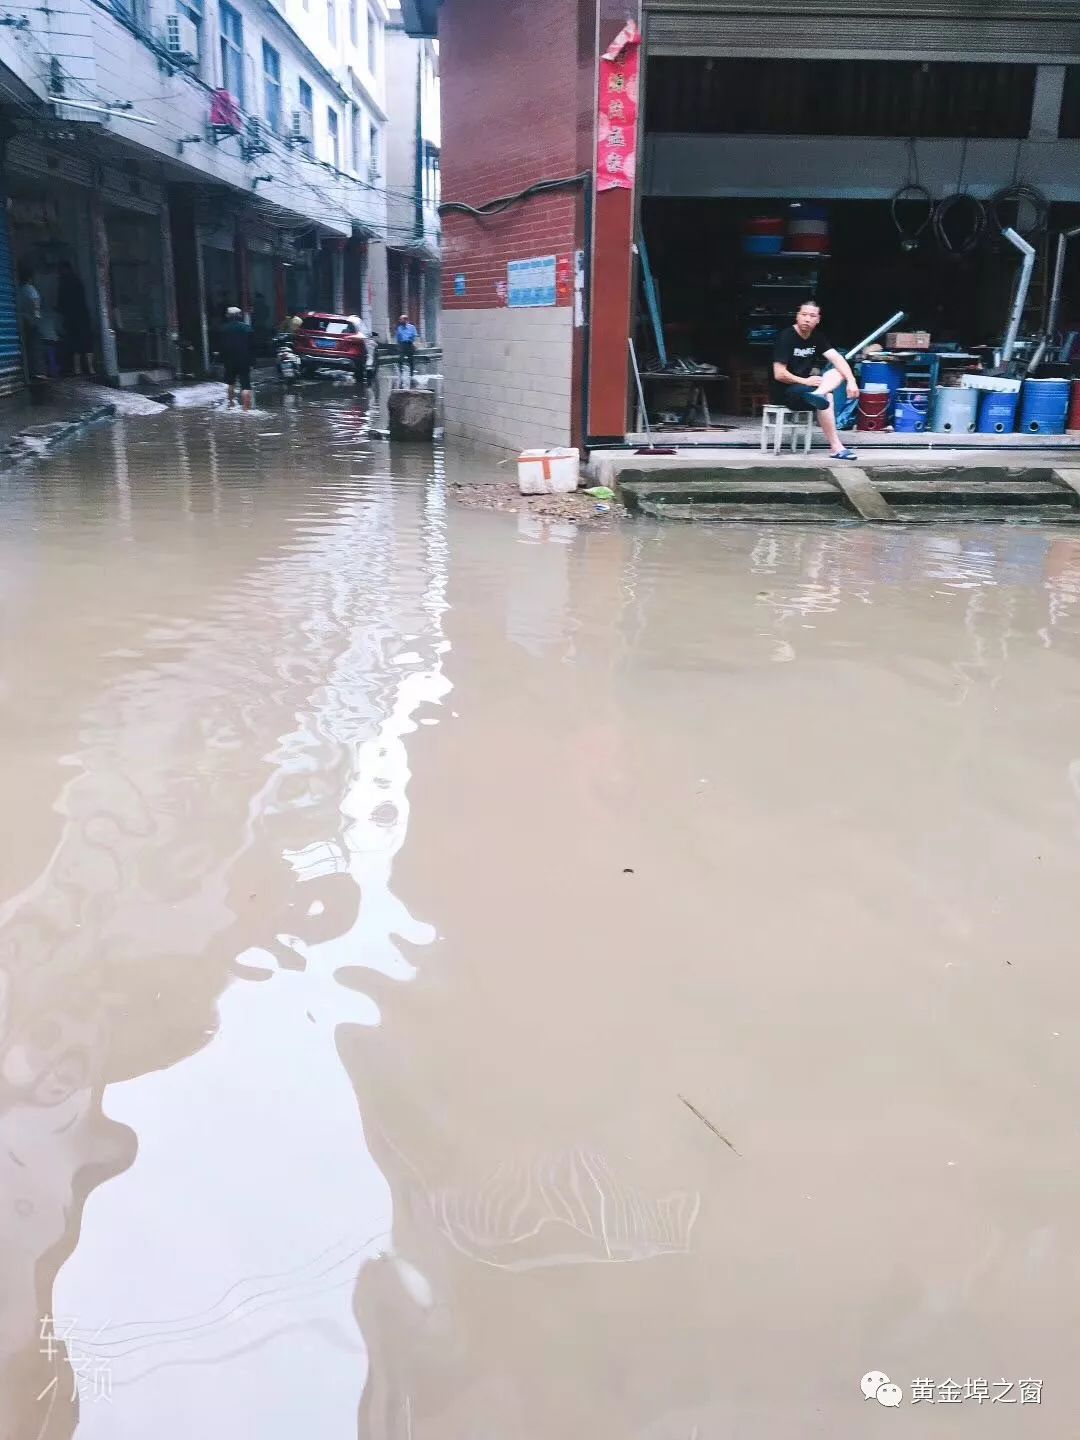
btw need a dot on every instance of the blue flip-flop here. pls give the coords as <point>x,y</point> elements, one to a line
<point>844,454</point>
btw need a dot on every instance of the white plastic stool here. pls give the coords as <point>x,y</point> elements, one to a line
<point>773,420</point>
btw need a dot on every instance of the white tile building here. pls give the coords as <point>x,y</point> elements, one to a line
<point>232,146</point>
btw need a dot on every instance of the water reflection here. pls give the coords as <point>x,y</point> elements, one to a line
<point>161,911</point>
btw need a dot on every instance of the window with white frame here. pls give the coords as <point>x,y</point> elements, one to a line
<point>372,44</point>
<point>192,12</point>
<point>331,21</point>
<point>306,112</point>
<point>232,51</point>
<point>357,140</point>
<point>373,150</point>
<point>333,137</point>
<point>354,23</point>
<point>271,87</point>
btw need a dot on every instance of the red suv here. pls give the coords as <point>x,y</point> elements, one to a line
<point>331,340</point>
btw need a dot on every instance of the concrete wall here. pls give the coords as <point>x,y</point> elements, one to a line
<point>507,376</point>
<point>509,75</point>
<point>840,168</point>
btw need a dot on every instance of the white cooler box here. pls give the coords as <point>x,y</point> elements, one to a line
<point>548,472</point>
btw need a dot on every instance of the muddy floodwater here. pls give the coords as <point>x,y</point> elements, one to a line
<point>470,978</point>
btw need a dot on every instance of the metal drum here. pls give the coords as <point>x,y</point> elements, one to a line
<point>1073,422</point>
<point>997,412</point>
<point>912,410</point>
<point>955,410</point>
<point>1044,405</point>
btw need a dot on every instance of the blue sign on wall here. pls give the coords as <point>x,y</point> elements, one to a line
<point>530,282</point>
<point>459,284</point>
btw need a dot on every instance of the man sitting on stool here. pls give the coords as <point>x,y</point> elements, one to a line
<point>798,348</point>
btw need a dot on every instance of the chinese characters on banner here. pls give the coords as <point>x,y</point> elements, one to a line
<point>616,146</point>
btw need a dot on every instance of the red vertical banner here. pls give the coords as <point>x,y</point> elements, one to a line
<point>616,143</point>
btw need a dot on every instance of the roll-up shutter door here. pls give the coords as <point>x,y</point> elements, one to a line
<point>11,361</point>
<point>1039,30</point>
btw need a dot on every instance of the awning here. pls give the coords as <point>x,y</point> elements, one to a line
<point>1026,31</point>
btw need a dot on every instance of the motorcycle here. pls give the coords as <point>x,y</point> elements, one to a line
<point>286,360</point>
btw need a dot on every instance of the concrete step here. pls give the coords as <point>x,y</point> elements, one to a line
<point>844,492</point>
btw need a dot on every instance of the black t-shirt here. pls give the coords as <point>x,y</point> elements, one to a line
<point>799,355</point>
<point>234,343</point>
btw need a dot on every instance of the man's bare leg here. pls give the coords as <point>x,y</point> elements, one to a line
<point>827,421</point>
<point>245,400</point>
<point>232,394</point>
<point>827,418</point>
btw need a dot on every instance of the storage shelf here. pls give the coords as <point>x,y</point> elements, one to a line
<point>789,255</point>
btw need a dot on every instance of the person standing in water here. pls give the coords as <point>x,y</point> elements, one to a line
<point>799,348</point>
<point>78,333</point>
<point>235,346</point>
<point>406,336</point>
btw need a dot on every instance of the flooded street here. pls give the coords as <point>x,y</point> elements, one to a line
<point>467,978</point>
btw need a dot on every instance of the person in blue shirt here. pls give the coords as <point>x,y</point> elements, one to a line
<point>406,336</point>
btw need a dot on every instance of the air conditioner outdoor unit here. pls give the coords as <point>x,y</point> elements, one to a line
<point>181,38</point>
<point>301,127</point>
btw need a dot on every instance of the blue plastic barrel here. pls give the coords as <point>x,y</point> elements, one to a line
<point>955,410</point>
<point>912,409</point>
<point>997,412</point>
<point>762,244</point>
<point>882,372</point>
<point>1044,405</point>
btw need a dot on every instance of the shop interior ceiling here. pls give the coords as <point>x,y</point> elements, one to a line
<point>920,99</point>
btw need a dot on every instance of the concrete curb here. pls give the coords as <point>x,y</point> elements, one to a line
<point>38,440</point>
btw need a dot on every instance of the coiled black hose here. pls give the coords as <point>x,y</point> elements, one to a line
<point>959,236</point>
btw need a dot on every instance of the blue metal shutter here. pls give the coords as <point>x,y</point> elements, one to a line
<point>12,376</point>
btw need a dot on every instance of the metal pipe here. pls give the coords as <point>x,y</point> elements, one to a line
<point>1023,285</point>
<point>640,389</point>
<point>1059,277</point>
<point>893,320</point>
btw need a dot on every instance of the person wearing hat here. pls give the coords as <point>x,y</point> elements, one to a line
<point>406,336</point>
<point>235,346</point>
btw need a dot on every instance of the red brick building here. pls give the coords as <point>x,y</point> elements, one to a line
<point>815,112</point>
<point>519,107</point>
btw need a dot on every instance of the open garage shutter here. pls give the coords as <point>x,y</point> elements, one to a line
<point>11,361</point>
<point>1019,30</point>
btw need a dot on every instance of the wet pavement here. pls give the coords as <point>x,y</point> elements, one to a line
<point>470,978</point>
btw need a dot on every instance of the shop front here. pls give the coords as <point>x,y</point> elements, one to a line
<point>50,228</point>
<point>877,167</point>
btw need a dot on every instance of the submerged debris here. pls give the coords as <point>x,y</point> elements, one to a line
<point>574,505</point>
<point>708,1123</point>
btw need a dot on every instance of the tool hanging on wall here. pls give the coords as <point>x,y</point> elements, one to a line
<point>911,235</point>
<point>912,192</point>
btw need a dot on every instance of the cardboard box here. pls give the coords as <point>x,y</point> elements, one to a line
<point>907,340</point>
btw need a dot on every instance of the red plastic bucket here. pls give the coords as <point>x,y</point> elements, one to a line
<point>763,225</point>
<point>874,409</point>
